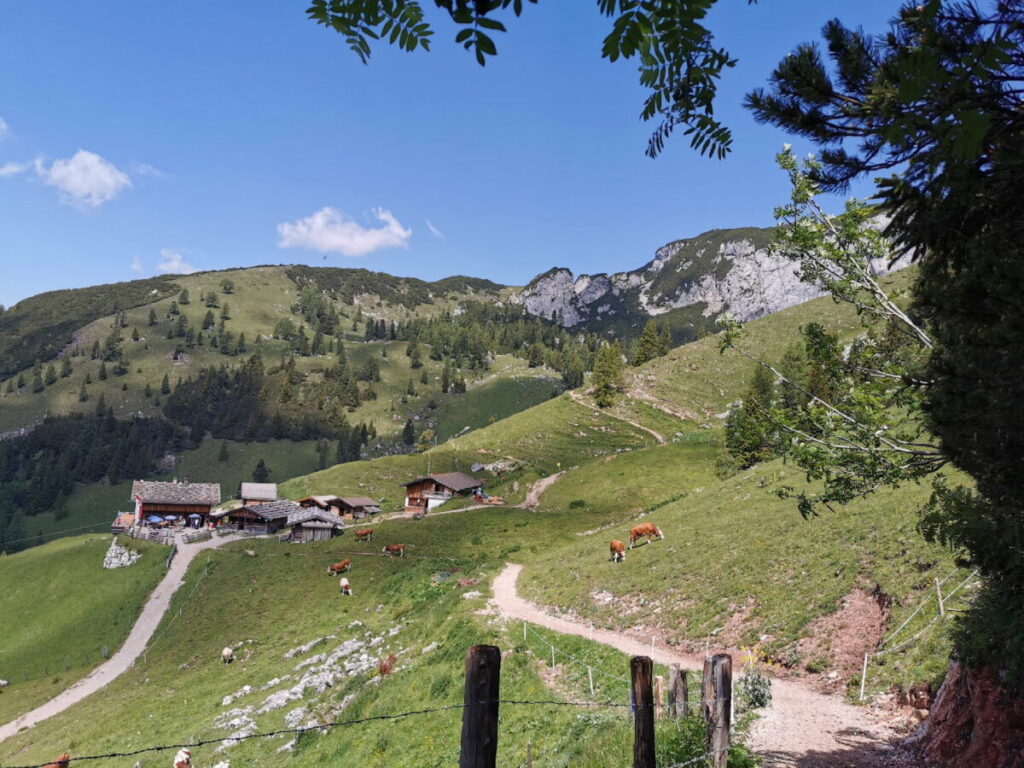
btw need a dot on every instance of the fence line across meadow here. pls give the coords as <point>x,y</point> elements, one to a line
<point>480,707</point>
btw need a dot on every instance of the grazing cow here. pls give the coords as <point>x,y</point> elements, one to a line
<point>334,570</point>
<point>183,759</point>
<point>394,549</point>
<point>61,762</point>
<point>618,550</point>
<point>364,534</point>
<point>3,684</point>
<point>227,655</point>
<point>346,588</point>
<point>650,530</point>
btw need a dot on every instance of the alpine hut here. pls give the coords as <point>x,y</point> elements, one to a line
<point>312,524</point>
<point>355,507</point>
<point>262,518</point>
<point>189,501</point>
<point>425,493</point>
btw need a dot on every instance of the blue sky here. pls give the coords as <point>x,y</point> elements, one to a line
<point>140,137</point>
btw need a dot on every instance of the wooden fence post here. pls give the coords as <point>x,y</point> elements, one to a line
<point>659,696</point>
<point>529,754</point>
<point>717,705</point>
<point>480,716</point>
<point>678,705</point>
<point>938,592</point>
<point>640,668</point>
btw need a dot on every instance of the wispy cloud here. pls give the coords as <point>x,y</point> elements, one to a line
<point>434,230</point>
<point>84,179</point>
<point>136,265</point>
<point>331,231</point>
<point>172,262</point>
<point>5,129</point>
<point>145,170</point>
<point>12,169</point>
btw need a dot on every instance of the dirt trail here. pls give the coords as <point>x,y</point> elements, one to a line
<point>801,728</point>
<point>152,612</point>
<point>578,398</point>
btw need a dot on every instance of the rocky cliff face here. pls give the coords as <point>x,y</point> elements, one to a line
<point>725,270</point>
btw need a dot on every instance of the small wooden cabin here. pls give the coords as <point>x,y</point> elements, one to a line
<point>189,501</point>
<point>262,518</point>
<point>257,493</point>
<point>425,493</point>
<point>356,507</point>
<point>312,524</point>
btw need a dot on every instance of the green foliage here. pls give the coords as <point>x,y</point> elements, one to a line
<point>607,377</point>
<point>750,432</point>
<point>409,433</point>
<point>677,58</point>
<point>261,473</point>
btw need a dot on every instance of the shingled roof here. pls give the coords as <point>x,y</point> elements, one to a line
<point>153,492</point>
<point>357,501</point>
<point>274,510</point>
<point>259,491</point>
<point>457,481</point>
<point>308,515</point>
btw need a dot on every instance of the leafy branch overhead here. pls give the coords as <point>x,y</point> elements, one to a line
<point>679,63</point>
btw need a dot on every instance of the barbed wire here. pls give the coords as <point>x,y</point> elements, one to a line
<point>568,655</point>
<point>330,726</point>
<point>693,760</point>
<point>53,533</point>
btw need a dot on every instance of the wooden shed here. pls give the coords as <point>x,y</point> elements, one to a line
<point>355,507</point>
<point>425,493</point>
<point>188,501</point>
<point>330,504</point>
<point>313,524</point>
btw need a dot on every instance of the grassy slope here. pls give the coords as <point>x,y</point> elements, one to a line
<point>60,609</point>
<point>280,599</point>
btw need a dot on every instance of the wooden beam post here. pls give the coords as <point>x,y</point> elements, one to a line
<point>480,716</point>
<point>640,668</point>
<point>678,706</point>
<point>938,593</point>
<point>659,696</point>
<point>717,706</point>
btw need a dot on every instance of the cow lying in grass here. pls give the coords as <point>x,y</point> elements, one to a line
<point>334,570</point>
<point>227,655</point>
<point>364,534</point>
<point>618,550</point>
<point>183,759</point>
<point>394,549</point>
<point>650,530</point>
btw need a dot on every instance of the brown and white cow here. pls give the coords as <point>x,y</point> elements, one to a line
<point>61,762</point>
<point>334,570</point>
<point>650,530</point>
<point>618,550</point>
<point>346,588</point>
<point>394,549</point>
<point>364,534</point>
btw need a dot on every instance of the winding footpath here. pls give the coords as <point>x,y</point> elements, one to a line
<point>802,727</point>
<point>577,398</point>
<point>134,646</point>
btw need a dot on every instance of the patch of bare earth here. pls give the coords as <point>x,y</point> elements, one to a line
<point>835,644</point>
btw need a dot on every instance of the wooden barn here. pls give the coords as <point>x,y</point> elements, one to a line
<point>356,507</point>
<point>257,493</point>
<point>262,518</point>
<point>312,524</point>
<point>425,493</point>
<point>192,502</point>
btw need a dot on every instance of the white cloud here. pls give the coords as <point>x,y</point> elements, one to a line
<point>137,265</point>
<point>84,179</point>
<point>434,230</point>
<point>12,169</point>
<point>173,263</point>
<point>144,170</point>
<point>330,230</point>
<point>5,129</point>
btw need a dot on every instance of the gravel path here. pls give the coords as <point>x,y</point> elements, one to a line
<point>152,612</point>
<point>576,397</point>
<point>801,727</point>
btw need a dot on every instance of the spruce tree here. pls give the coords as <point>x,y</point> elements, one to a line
<point>101,406</point>
<point>225,313</point>
<point>65,366</point>
<point>261,473</point>
<point>649,345</point>
<point>750,434</point>
<point>183,296</point>
<point>165,385</point>
<point>148,391</point>
<point>607,377</point>
<point>152,317</point>
<point>102,375</point>
<point>135,334</point>
<point>409,432</point>
<point>51,374</point>
<point>83,393</point>
<point>446,377</point>
<point>223,454</point>
<point>423,376</point>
